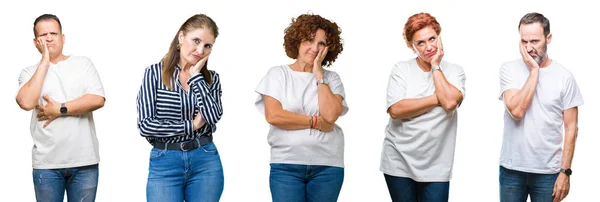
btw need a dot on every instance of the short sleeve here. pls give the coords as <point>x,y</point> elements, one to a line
<point>23,79</point>
<point>396,89</point>
<point>271,84</point>
<point>571,96</point>
<point>337,88</point>
<point>93,85</point>
<point>507,80</point>
<point>458,78</point>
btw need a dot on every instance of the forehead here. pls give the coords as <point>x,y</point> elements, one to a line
<point>203,34</point>
<point>424,34</point>
<point>533,30</point>
<point>46,26</point>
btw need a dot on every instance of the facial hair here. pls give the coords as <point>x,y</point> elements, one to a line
<point>540,55</point>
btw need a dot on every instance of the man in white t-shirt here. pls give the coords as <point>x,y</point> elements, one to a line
<point>62,91</point>
<point>540,96</point>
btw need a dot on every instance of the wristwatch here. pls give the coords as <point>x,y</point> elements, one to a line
<point>438,67</point>
<point>567,171</point>
<point>63,109</point>
<point>323,81</point>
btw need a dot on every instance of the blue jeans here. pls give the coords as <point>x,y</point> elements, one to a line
<point>516,185</point>
<point>302,183</point>
<point>404,189</point>
<point>80,183</point>
<point>193,176</point>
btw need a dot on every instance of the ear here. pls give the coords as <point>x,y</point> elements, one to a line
<point>63,38</point>
<point>180,36</point>
<point>549,38</point>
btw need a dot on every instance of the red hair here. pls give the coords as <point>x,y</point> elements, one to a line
<point>417,22</point>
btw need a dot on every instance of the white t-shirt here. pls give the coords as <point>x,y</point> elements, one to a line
<point>420,148</point>
<point>297,92</point>
<point>534,144</point>
<point>67,141</point>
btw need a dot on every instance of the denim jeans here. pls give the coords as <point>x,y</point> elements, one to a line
<point>305,183</point>
<point>80,183</point>
<point>404,189</point>
<point>516,185</point>
<point>193,176</point>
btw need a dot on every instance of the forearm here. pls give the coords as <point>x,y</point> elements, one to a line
<point>212,108</point>
<point>84,104</point>
<point>570,124</point>
<point>447,94</point>
<point>288,120</point>
<point>409,108</point>
<point>330,105</point>
<point>29,94</point>
<point>518,103</point>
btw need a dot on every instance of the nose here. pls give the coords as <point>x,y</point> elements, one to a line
<point>200,50</point>
<point>430,46</point>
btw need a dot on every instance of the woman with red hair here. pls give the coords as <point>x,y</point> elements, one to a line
<point>422,96</point>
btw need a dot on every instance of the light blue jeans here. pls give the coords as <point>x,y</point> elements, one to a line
<point>193,176</point>
<point>80,183</point>
<point>305,183</point>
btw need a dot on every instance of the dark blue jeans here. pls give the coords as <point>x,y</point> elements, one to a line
<point>80,183</point>
<point>404,189</point>
<point>193,176</point>
<point>305,183</point>
<point>516,185</point>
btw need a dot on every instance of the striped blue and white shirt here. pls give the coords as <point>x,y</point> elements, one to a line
<point>166,115</point>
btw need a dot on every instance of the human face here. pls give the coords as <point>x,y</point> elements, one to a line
<point>49,31</point>
<point>532,38</point>
<point>195,45</point>
<point>424,43</point>
<point>309,49</point>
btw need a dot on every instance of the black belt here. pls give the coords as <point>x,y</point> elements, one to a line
<point>184,146</point>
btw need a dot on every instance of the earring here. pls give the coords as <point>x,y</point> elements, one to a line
<point>178,46</point>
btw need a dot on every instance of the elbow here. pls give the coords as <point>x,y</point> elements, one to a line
<point>271,118</point>
<point>517,114</point>
<point>27,106</point>
<point>450,106</point>
<point>100,103</point>
<point>333,116</point>
<point>393,116</point>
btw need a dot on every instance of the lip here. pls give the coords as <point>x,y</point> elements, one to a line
<point>430,54</point>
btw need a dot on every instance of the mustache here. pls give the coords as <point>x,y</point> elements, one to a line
<point>532,51</point>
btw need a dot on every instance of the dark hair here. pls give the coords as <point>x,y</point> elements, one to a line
<point>171,60</point>
<point>417,22</point>
<point>304,28</point>
<point>534,17</point>
<point>46,17</point>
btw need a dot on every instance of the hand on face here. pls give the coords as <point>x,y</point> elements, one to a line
<point>317,68</point>
<point>529,61</point>
<point>199,65</point>
<point>42,47</point>
<point>437,58</point>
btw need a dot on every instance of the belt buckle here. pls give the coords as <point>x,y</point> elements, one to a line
<point>186,146</point>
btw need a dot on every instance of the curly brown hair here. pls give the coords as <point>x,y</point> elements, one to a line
<point>417,22</point>
<point>304,28</point>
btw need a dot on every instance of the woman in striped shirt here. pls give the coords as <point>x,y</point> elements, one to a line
<point>179,105</point>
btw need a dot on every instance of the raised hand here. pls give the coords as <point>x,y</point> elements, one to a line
<point>198,66</point>
<point>437,58</point>
<point>42,47</point>
<point>317,68</point>
<point>529,61</point>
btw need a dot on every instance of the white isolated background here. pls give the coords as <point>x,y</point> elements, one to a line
<point>122,38</point>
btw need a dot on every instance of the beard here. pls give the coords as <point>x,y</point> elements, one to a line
<point>541,55</point>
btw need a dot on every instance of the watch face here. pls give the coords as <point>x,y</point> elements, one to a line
<point>63,110</point>
<point>568,171</point>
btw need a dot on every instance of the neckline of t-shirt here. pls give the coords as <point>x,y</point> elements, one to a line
<point>414,60</point>
<point>68,58</point>
<point>300,73</point>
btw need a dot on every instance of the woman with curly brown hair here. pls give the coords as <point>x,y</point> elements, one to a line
<point>301,102</point>
<point>422,95</point>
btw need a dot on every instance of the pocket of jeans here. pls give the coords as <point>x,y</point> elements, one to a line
<point>209,148</point>
<point>155,153</point>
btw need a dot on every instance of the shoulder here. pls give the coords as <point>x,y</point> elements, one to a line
<point>561,70</point>
<point>449,67</point>
<point>330,74</point>
<point>512,64</point>
<point>279,70</point>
